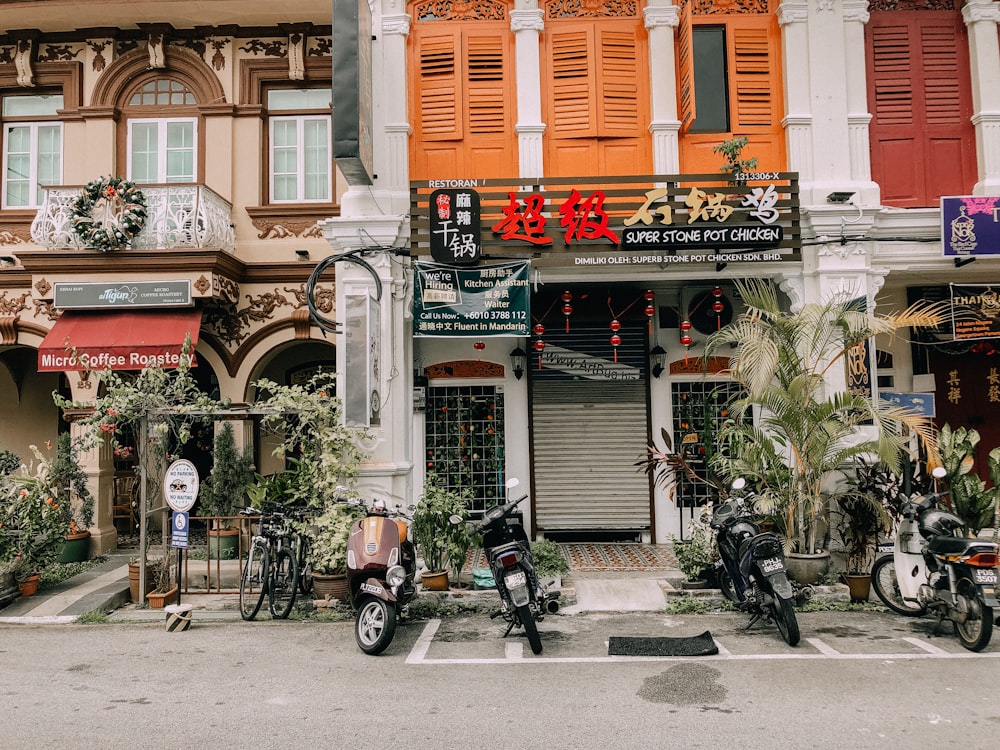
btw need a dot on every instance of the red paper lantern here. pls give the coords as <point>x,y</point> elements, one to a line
<point>479,346</point>
<point>616,340</point>
<point>615,325</point>
<point>539,329</point>
<point>539,346</point>
<point>686,340</point>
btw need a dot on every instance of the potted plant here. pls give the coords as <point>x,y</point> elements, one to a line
<point>550,563</point>
<point>70,483</point>
<point>861,518</point>
<point>791,423</point>
<point>328,533</point>
<point>32,526</point>
<point>696,554</point>
<point>224,493</point>
<point>441,541</point>
<point>970,499</point>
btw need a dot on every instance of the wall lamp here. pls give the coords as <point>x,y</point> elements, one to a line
<point>839,197</point>
<point>518,362</point>
<point>657,360</point>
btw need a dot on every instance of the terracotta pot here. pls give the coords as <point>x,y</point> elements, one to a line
<point>135,590</point>
<point>434,581</point>
<point>160,599</point>
<point>330,586</point>
<point>29,585</point>
<point>860,587</point>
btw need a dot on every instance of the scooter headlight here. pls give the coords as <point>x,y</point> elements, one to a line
<point>395,576</point>
<point>351,560</point>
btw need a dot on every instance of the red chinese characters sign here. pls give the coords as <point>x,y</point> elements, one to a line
<point>674,215</point>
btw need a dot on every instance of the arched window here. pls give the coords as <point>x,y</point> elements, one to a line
<point>162,132</point>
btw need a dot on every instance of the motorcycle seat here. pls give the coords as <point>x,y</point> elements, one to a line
<point>949,545</point>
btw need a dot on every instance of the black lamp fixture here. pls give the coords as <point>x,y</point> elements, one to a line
<point>657,360</point>
<point>839,196</point>
<point>518,362</point>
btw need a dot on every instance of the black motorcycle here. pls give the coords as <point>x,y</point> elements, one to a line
<point>523,600</point>
<point>751,567</point>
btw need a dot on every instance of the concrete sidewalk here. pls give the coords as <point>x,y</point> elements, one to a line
<point>105,588</point>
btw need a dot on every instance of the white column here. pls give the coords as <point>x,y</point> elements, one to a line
<point>661,18</point>
<point>858,117</point>
<point>526,23</point>
<point>981,17</point>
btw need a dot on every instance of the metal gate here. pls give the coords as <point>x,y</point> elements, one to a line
<point>587,436</point>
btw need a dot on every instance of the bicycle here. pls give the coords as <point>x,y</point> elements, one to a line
<point>270,568</point>
<point>300,541</point>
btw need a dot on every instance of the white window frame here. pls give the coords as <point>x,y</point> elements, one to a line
<point>300,171</point>
<point>36,197</point>
<point>162,149</point>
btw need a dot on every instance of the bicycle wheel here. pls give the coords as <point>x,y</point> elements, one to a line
<point>887,587</point>
<point>784,618</point>
<point>282,586</point>
<point>305,568</point>
<point>253,582</point>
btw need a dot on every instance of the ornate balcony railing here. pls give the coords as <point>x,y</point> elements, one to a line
<point>178,216</point>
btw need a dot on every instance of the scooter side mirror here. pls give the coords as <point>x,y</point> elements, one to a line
<point>454,519</point>
<point>739,484</point>
<point>512,483</point>
<point>939,472</point>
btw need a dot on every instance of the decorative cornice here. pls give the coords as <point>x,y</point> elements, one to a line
<point>975,11</point>
<point>792,11</point>
<point>526,20</point>
<point>856,11</point>
<point>657,16</point>
<point>396,24</point>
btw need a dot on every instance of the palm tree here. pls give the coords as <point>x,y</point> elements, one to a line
<point>805,432</point>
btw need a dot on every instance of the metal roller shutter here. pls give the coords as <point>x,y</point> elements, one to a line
<point>587,438</point>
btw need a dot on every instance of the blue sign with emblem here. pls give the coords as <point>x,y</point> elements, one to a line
<point>179,530</point>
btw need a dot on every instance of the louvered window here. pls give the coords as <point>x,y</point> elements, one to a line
<point>922,137</point>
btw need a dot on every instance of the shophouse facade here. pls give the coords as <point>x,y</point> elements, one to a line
<point>577,140</point>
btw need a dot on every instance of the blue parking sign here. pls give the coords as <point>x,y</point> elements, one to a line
<point>179,529</point>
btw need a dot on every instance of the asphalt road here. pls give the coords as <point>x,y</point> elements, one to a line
<point>857,680</point>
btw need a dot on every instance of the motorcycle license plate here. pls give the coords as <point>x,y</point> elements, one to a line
<point>771,565</point>
<point>984,575</point>
<point>515,579</point>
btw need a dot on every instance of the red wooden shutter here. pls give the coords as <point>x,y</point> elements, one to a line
<point>922,137</point>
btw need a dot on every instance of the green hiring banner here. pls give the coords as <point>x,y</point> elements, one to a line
<point>451,302</point>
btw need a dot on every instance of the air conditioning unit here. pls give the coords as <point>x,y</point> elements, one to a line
<point>697,305</point>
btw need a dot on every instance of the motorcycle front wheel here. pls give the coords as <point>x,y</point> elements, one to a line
<point>887,587</point>
<point>375,625</point>
<point>784,617</point>
<point>976,630</point>
<point>726,585</point>
<point>530,628</point>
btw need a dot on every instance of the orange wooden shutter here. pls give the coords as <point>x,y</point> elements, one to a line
<point>619,84</point>
<point>573,84</point>
<point>752,78</point>
<point>487,93</point>
<point>440,88</point>
<point>685,69</point>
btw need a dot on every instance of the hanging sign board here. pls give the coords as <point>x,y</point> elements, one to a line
<point>180,485</point>
<point>970,226</point>
<point>975,311</point>
<point>454,230</point>
<point>478,302</point>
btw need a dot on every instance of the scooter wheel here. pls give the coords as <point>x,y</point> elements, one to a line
<point>886,585</point>
<point>375,625</point>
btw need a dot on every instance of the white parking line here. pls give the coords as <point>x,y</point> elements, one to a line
<point>514,654</point>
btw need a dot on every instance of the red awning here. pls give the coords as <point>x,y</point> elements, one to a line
<point>119,340</point>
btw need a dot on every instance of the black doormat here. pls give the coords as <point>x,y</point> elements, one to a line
<point>696,645</point>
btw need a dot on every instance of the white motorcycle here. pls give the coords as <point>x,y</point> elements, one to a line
<point>935,567</point>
